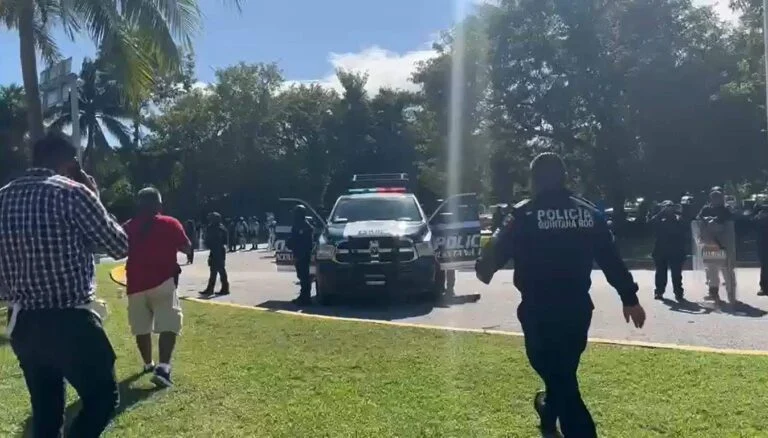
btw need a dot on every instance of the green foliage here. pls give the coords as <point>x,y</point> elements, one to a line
<point>12,129</point>
<point>644,98</point>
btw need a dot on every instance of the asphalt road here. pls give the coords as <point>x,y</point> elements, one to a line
<point>255,282</point>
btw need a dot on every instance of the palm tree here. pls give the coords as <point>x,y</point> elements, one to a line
<point>134,28</point>
<point>103,110</point>
<point>13,126</point>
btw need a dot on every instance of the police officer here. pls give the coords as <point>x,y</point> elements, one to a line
<point>191,230</point>
<point>711,215</point>
<point>554,239</point>
<point>216,240</point>
<point>669,249</point>
<point>231,228</point>
<point>760,219</point>
<point>300,243</point>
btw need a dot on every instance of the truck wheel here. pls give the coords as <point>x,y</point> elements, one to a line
<point>435,292</point>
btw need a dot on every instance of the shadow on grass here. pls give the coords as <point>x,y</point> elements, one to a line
<point>129,398</point>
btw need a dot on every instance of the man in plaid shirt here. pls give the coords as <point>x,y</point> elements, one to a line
<point>51,220</point>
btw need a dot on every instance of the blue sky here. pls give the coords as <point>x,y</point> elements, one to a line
<point>307,38</point>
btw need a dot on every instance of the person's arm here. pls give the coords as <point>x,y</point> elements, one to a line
<point>98,226</point>
<point>657,217</point>
<point>705,213</point>
<point>180,238</point>
<point>608,258</point>
<point>498,252</point>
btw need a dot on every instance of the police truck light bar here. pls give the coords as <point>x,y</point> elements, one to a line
<point>380,180</point>
<point>379,190</point>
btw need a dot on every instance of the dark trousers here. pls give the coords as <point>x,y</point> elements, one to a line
<point>762,254</point>
<point>302,263</point>
<point>446,279</point>
<point>54,345</point>
<point>673,264</point>
<point>218,268</point>
<point>554,342</point>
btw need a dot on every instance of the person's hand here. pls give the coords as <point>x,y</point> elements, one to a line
<point>83,178</point>
<point>636,313</point>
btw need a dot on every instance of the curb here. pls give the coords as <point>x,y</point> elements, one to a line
<point>621,343</point>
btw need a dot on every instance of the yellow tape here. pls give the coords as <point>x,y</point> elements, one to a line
<point>622,343</point>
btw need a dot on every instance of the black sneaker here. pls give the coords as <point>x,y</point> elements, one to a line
<point>658,295</point>
<point>548,425</point>
<point>148,368</point>
<point>761,293</point>
<point>206,293</point>
<point>162,378</point>
<point>679,296</point>
<point>222,292</point>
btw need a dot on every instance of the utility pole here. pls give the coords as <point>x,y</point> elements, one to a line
<point>74,97</point>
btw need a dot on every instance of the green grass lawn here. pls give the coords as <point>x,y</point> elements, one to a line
<point>244,373</point>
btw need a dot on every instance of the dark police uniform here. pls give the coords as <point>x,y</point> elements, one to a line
<point>217,240</point>
<point>554,239</point>
<point>761,224</point>
<point>300,243</point>
<point>669,251</point>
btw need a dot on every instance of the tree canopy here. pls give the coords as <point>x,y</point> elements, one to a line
<point>645,98</point>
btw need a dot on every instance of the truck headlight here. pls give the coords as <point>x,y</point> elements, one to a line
<point>325,252</point>
<point>424,249</point>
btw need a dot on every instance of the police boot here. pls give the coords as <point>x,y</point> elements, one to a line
<point>714,295</point>
<point>548,424</point>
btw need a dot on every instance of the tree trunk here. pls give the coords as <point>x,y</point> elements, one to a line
<point>28,57</point>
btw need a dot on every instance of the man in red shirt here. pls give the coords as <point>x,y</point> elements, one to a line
<point>152,274</point>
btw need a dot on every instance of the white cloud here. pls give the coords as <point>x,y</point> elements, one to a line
<point>384,68</point>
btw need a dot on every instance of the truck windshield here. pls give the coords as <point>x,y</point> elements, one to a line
<point>377,209</point>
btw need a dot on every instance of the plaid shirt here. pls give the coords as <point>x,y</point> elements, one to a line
<point>49,226</point>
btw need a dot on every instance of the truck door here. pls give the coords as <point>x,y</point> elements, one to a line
<point>455,226</point>
<point>283,255</point>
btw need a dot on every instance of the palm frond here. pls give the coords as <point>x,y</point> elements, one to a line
<point>238,4</point>
<point>9,14</point>
<point>99,17</point>
<point>69,22</point>
<point>118,130</point>
<point>170,20</point>
<point>60,122</point>
<point>133,67</point>
<point>99,139</point>
<point>44,41</point>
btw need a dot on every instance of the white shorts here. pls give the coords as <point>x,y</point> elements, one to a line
<point>155,310</point>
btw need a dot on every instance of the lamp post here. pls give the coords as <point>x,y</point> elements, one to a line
<point>55,82</point>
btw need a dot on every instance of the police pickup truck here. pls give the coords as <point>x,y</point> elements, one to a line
<point>377,237</point>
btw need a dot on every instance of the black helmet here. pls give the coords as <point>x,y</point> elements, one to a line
<point>299,212</point>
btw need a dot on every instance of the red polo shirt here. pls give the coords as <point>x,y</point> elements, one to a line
<point>152,251</point>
